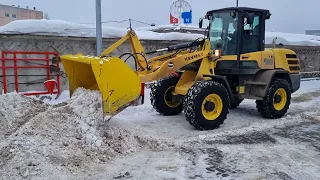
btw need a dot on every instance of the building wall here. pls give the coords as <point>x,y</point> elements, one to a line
<point>309,56</point>
<point>10,13</point>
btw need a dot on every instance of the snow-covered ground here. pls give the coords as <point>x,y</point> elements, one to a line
<point>63,28</point>
<point>66,139</point>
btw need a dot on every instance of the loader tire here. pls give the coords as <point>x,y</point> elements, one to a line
<point>160,97</point>
<point>277,101</point>
<point>235,103</point>
<point>206,105</point>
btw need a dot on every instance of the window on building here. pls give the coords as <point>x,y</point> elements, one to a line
<point>14,15</point>
<point>6,15</point>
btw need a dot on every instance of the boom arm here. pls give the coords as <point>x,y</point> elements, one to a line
<point>137,50</point>
<point>140,54</point>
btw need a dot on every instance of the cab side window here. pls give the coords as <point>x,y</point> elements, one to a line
<point>251,37</point>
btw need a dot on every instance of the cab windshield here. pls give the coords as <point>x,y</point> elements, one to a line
<point>223,32</point>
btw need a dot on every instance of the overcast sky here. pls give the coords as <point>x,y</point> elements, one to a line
<point>287,15</point>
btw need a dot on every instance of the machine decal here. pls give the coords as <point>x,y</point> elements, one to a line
<point>194,56</point>
<point>268,61</point>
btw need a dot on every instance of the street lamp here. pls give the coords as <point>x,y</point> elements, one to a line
<point>98,27</point>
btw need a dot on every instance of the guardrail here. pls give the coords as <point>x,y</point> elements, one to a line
<point>13,64</point>
<point>309,76</point>
<point>312,74</point>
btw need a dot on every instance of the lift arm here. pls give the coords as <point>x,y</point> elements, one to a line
<point>136,47</point>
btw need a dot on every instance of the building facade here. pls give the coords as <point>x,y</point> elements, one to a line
<point>12,13</point>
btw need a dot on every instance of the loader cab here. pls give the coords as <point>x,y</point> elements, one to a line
<point>237,30</point>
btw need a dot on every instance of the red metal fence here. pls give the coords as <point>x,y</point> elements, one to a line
<point>13,60</point>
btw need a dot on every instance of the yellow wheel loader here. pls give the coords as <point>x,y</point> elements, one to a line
<point>203,78</point>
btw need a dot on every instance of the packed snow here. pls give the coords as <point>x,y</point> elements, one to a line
<point>64,28</point>
<point>66,138</point>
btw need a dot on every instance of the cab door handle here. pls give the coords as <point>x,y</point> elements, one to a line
<point>245,57</point>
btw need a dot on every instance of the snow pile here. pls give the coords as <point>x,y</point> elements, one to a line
<point>88,110</point>
<point>97,134</point>
<point>63,28</point>
<point>54,98</point>
<point>16,110</point>
<point>52,140</point>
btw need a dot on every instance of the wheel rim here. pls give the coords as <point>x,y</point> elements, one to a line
<point>280,99</point>
<point>168,98</point>
<point>209,112</point>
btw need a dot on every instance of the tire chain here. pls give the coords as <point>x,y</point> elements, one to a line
<point>262,107</point>
<point>153,90</point>
<point>190,99</point>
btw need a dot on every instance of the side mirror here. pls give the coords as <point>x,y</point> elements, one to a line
<point>200,22</point>
<point>268,16</point>
<point>250,18</point>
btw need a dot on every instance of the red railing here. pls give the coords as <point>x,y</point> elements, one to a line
<point>15,58</point>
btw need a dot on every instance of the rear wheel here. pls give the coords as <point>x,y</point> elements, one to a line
<point>206,105</point>
<point>162,99</point>
<point>276,103</point>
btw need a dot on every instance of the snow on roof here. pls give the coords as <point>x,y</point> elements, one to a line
<point>64,28</point>
<point>293,39</point>
<point>170,27</point>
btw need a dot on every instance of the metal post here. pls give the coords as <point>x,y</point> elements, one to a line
<point>98,27</point>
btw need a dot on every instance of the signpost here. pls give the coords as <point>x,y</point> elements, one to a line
<point>180,12</point>
<point>187,17</point>
<point>98,27</point>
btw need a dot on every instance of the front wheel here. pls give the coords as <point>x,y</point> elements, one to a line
<point>206,105</point>
<point>161,97</point>
<point>276,103</point>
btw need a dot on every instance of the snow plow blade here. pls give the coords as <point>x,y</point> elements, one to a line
<point>117,82</point>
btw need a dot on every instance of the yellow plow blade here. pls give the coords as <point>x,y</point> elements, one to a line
<point>118,83</point>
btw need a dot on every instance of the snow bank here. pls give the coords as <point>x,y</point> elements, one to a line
<point>16,110</point>
<point>39,139</point>
<point>63,28</point>
<point>292,39</point>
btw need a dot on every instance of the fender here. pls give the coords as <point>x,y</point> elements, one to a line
<point>222,80</point>
<point>266,77</point>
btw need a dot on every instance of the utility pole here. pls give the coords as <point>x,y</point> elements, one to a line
<point>237,3</point>
<point>98,27</point>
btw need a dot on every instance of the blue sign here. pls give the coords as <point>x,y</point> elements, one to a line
<point>187,17</point>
